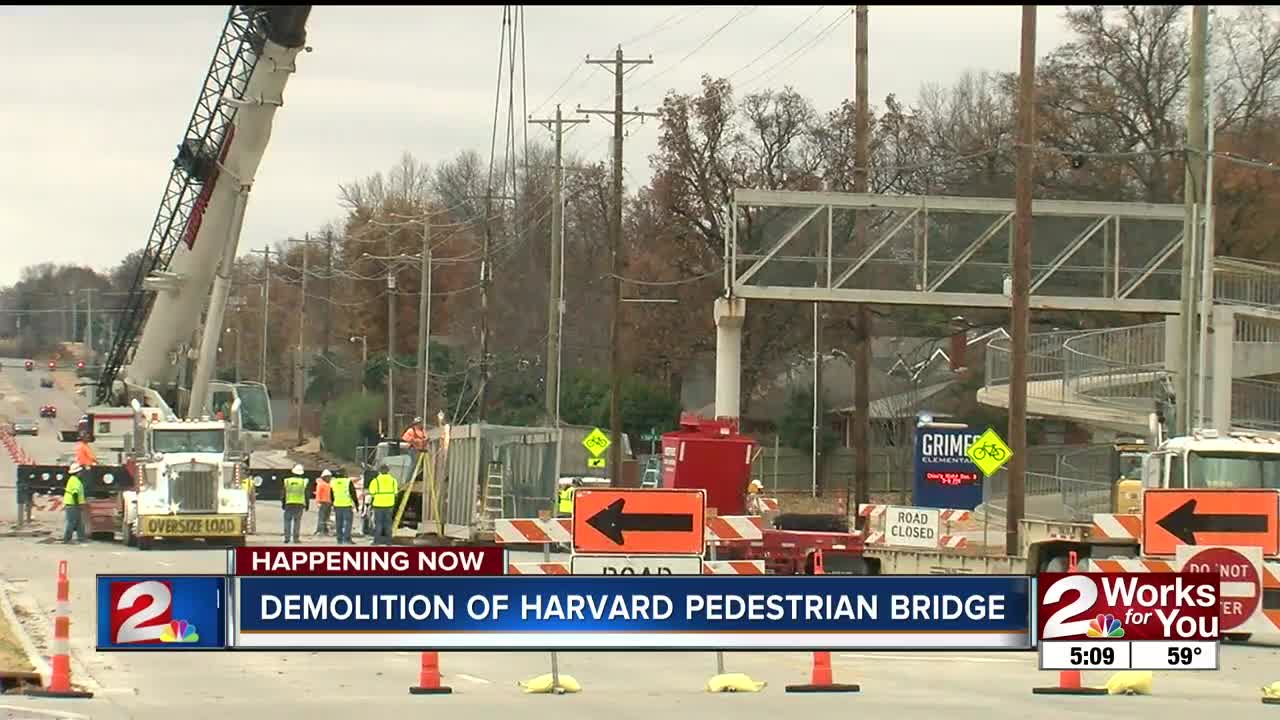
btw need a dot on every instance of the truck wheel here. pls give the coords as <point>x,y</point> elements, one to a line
<point>144,543</point>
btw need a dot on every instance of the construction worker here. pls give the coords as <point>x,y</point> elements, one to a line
<point>383,489</point>
<point>73,505</point>
<point>85,456</point>
<point>344,501</point>
<point>416,438</point>
<point>294,502</point>
<point>250,494</point>
<point>755,505</point>
<point>564,506</point>
<point>324,501</point>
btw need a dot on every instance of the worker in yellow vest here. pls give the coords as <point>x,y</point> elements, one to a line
<point>246,482</point>
<point>344,501</point>
<point>294,502</point>
<point>383,489</point>
<point>564,505</point>
<point>73,505</point>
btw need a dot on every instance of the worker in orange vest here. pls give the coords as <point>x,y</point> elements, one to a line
<point>324,499</point>
<point>84,454</point>
<point>416,438</point>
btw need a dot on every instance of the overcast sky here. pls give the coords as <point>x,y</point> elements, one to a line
<point>95,99</point>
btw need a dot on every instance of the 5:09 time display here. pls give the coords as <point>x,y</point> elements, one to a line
<point>1093,655</point>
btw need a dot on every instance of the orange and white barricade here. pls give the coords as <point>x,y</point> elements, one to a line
<point>877,531</point>
<point>1116,526</point>
<point>709,567</point>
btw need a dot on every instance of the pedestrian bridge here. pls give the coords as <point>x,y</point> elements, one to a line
<point>1110,379</point>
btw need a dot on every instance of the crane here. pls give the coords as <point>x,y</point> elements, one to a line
<point>188,258</point>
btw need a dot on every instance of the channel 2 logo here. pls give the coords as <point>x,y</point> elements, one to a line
<point>142,614</point>
<point>1127,606</point>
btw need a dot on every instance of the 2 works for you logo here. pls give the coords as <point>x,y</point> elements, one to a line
<point>1129,606</point>
<point>142,613</point>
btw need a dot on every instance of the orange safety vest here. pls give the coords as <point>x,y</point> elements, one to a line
<point>416,438</point>
<point>324,491</point>
<point>84,454</point>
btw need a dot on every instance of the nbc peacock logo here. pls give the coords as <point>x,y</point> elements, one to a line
<point>181,631</point>
<point>1105,626</point>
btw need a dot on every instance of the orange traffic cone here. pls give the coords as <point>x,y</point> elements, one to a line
<point>1070,682</point>
<point>429,676</point>
<point>821,679</point>
<point>60,677</point>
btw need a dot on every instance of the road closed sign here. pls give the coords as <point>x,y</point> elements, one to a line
<point>635,565</point>
<point>911,527</point>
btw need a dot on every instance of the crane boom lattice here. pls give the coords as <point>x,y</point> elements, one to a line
<point>194,173</point>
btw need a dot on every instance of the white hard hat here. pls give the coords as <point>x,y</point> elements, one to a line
<point>565,481</point>
<point>326,473</point>
<point>417,420</point>
<point>75,468</point>
<point>297,469</point>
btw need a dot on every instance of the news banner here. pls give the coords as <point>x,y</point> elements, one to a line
<point>402,598</point>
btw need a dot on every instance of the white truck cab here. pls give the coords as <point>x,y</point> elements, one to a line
<point>189,483</point>
<point>1207,459</point>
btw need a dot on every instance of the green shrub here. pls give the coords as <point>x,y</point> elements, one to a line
<point>343,420</point>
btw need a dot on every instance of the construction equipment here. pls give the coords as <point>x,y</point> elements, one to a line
<point>186,263</point>
<point>183,477</point>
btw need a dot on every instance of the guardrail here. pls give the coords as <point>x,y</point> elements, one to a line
<point>1051,496</point>
<point>1121,367</point>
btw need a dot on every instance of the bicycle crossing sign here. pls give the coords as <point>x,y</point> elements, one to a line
<point>596,442</point>
<point>989,452</point>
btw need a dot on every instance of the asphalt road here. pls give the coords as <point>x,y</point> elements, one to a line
<point>620,686</point>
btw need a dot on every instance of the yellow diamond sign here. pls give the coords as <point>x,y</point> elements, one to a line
<point>989,452</point>
<point>596,442</point>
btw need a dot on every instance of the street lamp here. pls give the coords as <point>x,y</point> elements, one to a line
<point>364,359</point>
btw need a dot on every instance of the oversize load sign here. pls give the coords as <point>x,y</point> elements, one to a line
<point>190,525</point>
<point>609,612</point>
<point>1127,606</point>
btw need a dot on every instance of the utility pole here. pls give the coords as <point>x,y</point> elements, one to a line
<point>391,345</point>
<point>424,321</point>
<point>555,302</point>
<point>619,117</point>
<point>266,308</point>
<point>1020,322</point>
<point>482,395</point>
<point>1192,191</point>
<point>862,319</point>
<point>328,292</point>
<point>300,371</point>
<point>486,274</point>
<point>88,327</point>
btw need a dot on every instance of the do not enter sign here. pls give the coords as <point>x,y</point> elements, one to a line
<point>1240,591</point>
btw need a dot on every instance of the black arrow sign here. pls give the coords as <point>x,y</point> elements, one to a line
<point>612,522</point>
<point>1183,523</point>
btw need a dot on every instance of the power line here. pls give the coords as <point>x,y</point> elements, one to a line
<point>775,46</point>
